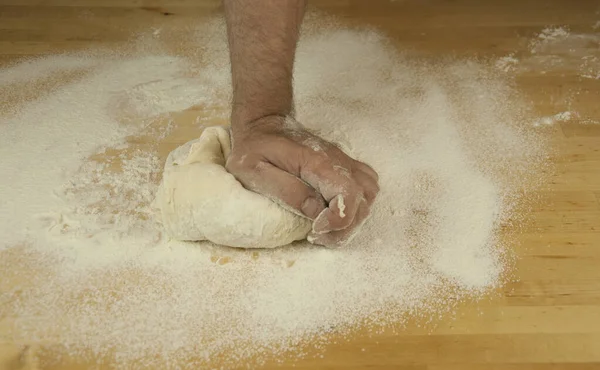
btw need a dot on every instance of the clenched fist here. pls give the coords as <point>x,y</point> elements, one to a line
<point>276,157</point>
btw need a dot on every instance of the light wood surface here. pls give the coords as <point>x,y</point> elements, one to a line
<point>550,318</point>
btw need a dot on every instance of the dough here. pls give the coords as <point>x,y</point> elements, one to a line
<point>199,200</point>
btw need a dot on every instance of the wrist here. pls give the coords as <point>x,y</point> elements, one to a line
<point>248,122</point>
<point>249,109</point>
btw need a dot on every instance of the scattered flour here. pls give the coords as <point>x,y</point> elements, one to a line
<point>558,49</point>
<point>590,66</point>
<point>41,67</point>
<point>86,269</point>
<point>550,120</point>
<point>558,53</point>
<point>548,36</point>
<point>507,63</point>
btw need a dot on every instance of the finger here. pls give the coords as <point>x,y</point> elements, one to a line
<point>333,217</point>
<point>326,223</point>
<point>339,214</point>
<point>342,237</point>
<point>284,188</point>
<point>338,188</point>
<point>368,184</point>
<point>367,169</point>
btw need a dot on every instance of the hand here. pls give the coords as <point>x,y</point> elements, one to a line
<point>277,157</point>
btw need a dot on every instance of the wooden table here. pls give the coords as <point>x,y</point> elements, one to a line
<point>550,318</point>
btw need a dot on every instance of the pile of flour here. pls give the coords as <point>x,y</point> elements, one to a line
<point>86,270</point>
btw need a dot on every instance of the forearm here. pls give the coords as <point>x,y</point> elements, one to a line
<point>262,43</point>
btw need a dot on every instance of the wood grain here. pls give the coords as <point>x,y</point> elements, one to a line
<point>550,318</point>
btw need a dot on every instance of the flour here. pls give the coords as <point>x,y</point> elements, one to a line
<point>557,49</point>
<point>590,66</point>
<point>41,67</point>
<point>87,268</point>
<point>76,119</point>
<point>558,117</point>
<point>548,37</point>
<point>507,63</point>
<point>570,59</point>
<point>341,205</point>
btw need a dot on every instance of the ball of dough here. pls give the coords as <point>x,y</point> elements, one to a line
<point>199,200</point>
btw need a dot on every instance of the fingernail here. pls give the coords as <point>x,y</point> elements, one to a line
<point>311,208</point>
<point>321,224</point>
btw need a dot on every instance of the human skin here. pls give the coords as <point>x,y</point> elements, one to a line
<point>272,153</point>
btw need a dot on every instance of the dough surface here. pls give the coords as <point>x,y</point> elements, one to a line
<point>199,200</point>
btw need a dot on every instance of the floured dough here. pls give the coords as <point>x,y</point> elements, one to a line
<point>199,200</point>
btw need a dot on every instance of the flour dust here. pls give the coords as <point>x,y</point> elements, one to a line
<point>574,57</point>
<point>86,270</point>
<point>558,48</point>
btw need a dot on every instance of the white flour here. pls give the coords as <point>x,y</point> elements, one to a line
<point>558,117</point>
<point>507,63</point>
<point>565,56</point>
<point>559,50</point>
<point>548,37</point>
<point>42,67</point>
<point>85,267</point>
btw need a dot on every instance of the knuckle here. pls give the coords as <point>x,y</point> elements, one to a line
<point>354,191</point>
<point>371,194</point>
<point>315,158</point>
<point>342,171</point>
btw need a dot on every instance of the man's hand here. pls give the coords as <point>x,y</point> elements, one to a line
<point>277,157</point>
<point>273,155</point>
